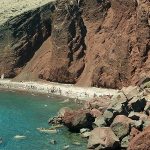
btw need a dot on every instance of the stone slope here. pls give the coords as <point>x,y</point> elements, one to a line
<point>118,45</point>
<point>95,43</point>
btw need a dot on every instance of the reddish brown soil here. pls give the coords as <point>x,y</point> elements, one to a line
<point>141,141</point>
<point>107,46</point>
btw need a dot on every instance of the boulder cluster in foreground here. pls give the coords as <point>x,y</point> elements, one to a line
<point>118,122</point>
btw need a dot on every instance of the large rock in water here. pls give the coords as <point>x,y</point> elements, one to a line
<point>103,138</point>
<point>63,111</point>
<point>77,120</point>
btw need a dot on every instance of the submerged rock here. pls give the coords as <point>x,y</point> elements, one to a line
<point>55,121</point>
<point>65,101</point>
<point>76,143</point>
<point>66,147</point>
<point>85,133</point>
<point>1,140</point>
<point>53,142</point>
<point>19,137</point>
<point>49,131</point>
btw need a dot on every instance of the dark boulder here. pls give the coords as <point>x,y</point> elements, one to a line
<point>77,120</point>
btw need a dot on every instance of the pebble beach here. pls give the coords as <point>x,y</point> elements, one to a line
<point>71,91</point>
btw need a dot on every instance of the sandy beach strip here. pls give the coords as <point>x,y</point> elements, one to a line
<point>66,90</point>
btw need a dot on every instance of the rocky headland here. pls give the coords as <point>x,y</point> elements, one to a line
<point>116,122</point>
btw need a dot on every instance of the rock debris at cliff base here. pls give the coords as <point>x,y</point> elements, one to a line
<point>120,122</point>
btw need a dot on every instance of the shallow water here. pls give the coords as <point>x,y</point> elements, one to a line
<point>21,114</point>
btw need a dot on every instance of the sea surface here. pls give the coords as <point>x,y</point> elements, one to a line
<point>22,114</point>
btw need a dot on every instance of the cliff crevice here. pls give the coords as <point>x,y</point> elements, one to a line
<point>89,43</point>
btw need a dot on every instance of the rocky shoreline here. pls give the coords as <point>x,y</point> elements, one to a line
<point>65,90</point>
<point>119,122</point>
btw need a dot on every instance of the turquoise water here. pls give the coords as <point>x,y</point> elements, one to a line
<point>21,114</point>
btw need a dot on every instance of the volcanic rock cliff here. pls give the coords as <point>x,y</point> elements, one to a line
<point>21,37</point>
<point>103,43</point>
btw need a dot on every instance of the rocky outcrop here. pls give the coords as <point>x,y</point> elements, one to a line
<point>77,120</point>
<point>121,123</point>
<point>93,43</point>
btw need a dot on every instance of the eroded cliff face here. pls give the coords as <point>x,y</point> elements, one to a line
<point>117,44</point>
<point>63,60</point>
<point>102,43</point>
<point>21,37</point>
